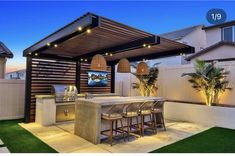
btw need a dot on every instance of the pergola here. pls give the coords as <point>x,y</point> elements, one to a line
<point>63,57</point>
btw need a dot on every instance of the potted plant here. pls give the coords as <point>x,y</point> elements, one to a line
<point>209,79</point>
<point>147,83</point>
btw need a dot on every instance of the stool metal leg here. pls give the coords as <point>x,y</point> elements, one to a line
<point>128,128</point>
<point>163,122</point>
<point>123,133</point>
<point>116,126</point>
<point>138,125</point>
<point>142,125</point>
<point>111,133</point>
<point>155,122</point>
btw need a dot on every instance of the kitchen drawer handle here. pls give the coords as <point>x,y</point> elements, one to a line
<point>66,112</point>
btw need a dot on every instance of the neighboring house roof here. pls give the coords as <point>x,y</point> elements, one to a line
<point>22,70</point>
<point>4,51</point>
<point>226,24</point>
<point>221,43</point>
<point>179,34</point>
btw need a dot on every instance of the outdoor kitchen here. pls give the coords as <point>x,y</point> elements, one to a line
<point>64,86</point>
<point>60,105</point>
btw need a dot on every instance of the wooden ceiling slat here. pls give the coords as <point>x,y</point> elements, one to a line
<point>106,21</point>
<point>121,31</point>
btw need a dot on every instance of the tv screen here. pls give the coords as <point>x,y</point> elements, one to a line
<point>97,78</point>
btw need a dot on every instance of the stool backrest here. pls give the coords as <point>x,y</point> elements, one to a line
<point>133,107</point>
<point>147,105</point>
<point>115,109</point>
<point>159,104</point>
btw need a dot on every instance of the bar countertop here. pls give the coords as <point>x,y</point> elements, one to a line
<point>51,96</point>
<point>105,101</point>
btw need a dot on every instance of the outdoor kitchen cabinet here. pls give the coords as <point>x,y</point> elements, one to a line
<point>65,112</point>
<point>48,112</point>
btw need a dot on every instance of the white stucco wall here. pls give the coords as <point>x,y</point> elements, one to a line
<point>173,60</point>
<point>196,39</point>
<point>213,36</point>
<point>222,52</point>
<point>174,87</point>
<point>12,95</point>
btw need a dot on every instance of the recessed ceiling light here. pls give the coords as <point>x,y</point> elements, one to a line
<point>88,31</point>
<point>80,28</point>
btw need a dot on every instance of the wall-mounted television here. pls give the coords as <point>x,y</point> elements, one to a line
<point>97,78</point>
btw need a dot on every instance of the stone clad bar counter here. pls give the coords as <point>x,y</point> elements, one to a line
<point>88,124</point>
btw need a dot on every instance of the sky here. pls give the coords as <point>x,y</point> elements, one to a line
<point>24,23</point>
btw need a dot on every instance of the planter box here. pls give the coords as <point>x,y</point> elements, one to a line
<point>200,114</point>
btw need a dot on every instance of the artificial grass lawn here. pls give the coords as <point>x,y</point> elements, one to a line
<point>214,140</point>
<point>18,140</point>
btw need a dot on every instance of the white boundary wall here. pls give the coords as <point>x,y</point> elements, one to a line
<point>12,93</point>
<point>172,86</point>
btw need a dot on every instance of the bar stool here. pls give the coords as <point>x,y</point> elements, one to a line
<point>146,111</point>
<point>132,112</point>
<point>113,115</point>
<point>157,113</point>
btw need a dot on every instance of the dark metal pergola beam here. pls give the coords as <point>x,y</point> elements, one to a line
<point>158,55</point>
<point>28,83</point>
<point>87,21</point>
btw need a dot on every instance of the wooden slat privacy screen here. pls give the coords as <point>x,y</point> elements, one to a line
<point>49,72</point>
<point>46,73</point>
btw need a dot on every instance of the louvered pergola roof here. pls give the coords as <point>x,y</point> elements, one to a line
<point>100,35</point>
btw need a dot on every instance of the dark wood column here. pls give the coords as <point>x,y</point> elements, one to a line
<point>112,78</point>
<point>78,73</point>
<point>28,83</point>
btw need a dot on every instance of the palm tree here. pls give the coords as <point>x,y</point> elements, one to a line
<point>209,79</point>
<point>147,83</point>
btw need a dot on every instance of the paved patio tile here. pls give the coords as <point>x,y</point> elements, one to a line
<point>4,150</point>
<point>62,139</point>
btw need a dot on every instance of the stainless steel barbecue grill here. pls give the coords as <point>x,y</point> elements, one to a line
<point>64,93</point>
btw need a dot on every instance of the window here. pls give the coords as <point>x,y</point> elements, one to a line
<point>228,34</point>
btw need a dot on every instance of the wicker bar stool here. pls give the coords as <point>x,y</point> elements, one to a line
<point>157,113</point>
<point>132,112</point>
<point>113,115</point>
<point>146,111</point>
